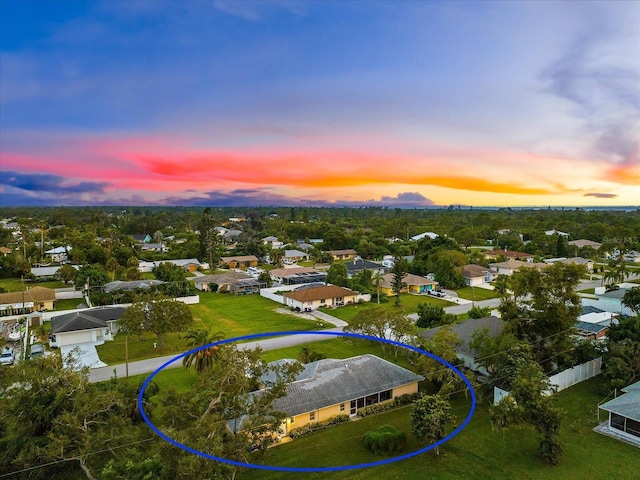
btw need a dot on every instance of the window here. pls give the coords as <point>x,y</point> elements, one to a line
<point>292,420</point>
<point>312,416</point>
<point>324,300</point>
<point>342,407</point>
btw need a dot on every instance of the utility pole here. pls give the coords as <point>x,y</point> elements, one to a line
<point>126,356</point>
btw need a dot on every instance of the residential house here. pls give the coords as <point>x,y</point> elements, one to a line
<point>609,302</point>
<point>146,238</point>
<point>232,234</point>
<point>27,301</point>
<point>307,299</point>
<point>477,275</point>
<point>348,254</point>
<point>413,284</point>
<point>465,331</point>
<point>235,282</point>
<point>242,261</point>
<point>88,325</point>
<point>420,236</point>
<point>297,275</point>
<point>624,416</point>
<point>237,218</point>
<point>130,285</point>
<point>556,232</point>
<point>187,264</point>
<point>511,266</point>
<point>329,387</point>
<point>154,247</point>
<point>591,331</point>
<point>358,265</point>
<point>305,247</point>
<point>272,242</point>
<point>221,230</point>
<point>588,264</point>
<point>509,254</point>
<point>58,254</point>
<point>293,256</point>
<point>584,243</point>
<point>389,261</point>
<point>47,272</point>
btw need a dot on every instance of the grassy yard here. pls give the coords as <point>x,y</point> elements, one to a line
<point>68,304</point>
<point>476,453</point>
<point>468,293</point>
<point>16,284</point>
<point>407,301</point>
<point>588,290</point>
<point>233,315</point>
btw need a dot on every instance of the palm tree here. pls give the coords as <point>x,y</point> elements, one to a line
<point>621,272</point>
<point>631,299</point>
<point>610,277</point>
<point>377,278</point>
<point>202,359</point>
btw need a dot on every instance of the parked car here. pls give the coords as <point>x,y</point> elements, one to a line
<point>436,293</point>
<point>37,350</point>
<point>8,356</point>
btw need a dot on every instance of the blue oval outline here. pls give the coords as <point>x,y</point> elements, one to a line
<point>309,469</point>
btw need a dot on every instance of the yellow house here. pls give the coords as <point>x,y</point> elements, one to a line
<point>242,261</point>
<point>348,254</point>
<point>413,284</point>
<point>331,387</point>
<point>34,299</point>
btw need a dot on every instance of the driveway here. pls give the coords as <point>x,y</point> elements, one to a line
<point>85,353</point>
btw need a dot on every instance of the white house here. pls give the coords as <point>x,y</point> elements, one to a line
<point>556,232</point>
<point>89,325</point>
<point>420,236</point>
<point>58,254</point>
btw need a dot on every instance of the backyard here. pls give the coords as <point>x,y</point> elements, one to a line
<point>477,293</point>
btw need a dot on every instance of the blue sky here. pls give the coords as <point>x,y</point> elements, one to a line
<point>319,103</point>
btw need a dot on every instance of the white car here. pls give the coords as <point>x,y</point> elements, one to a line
<point>8,356</point>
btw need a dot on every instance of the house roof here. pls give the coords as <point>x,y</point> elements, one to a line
<point>86,319</point>
<point>222,278</point>
<point>34,294</point>
<point>47,271</point>
<point>590,327</point>
<point>516,264</point>
<point>627,405</point>
<point>294,253</point>
<point>348,251</point>
<point>319,293</point>
<point>556,232</point>
<point>420,236</point>
<point>615,294</point>
<point>465,330</point>
<point>5,250</point>
<point>508,254</point>
<point>270,239</point>
<point>361,264</point>
<point>241,258</point>
<point>58,250</point>
<point>473,271</point>
<point>290,272</point>
<point>329,382</point>
<point>130,285</point>
<point>597,317</point>
<point>409,278</point>
<point>584,243</point>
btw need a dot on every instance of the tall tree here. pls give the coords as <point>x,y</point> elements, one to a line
<point>377,280</point>
<point>383,323</point>
<point>430,416</point>
<point>337,275</point>
<point>202,359</point>
<point>156,316</point>
<point>631,299</point>
<point>398,272</point>
<point>209,238</point>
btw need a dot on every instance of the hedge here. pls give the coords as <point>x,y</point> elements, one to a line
<point>315,426</point>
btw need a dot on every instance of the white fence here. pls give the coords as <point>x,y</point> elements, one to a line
<point>577,374</point>
<point>271,294</point>
<point>190,300</point>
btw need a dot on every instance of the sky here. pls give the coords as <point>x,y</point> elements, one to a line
<point>345,103</point>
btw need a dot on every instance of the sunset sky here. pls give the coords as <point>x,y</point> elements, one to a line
<point>395,103</point>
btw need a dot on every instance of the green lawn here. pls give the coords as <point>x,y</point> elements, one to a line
<point>407,301</point>
<point>68,304</point>
<point>588,290</point>
<point>469,293</point>
<point>16,284</point>
<point>476,453</point>
<point>234,315</point>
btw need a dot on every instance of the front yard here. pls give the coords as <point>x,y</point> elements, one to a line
<point>476,293</point>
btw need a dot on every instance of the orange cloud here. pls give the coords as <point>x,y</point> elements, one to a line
<point>626,174</point>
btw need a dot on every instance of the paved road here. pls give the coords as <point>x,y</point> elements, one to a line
<point>152,364</point>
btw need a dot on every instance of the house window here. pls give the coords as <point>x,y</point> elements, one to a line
<point>342,407</point>
<point>292,420</point>
<point>312,416</point>
<point>324,300</point>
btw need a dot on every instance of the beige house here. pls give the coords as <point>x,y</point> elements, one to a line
<point>331,387</point>
<point>511,266</point>
<point>348,254</point>
<point>239,262</point>
<point>35,299</point>
<point>307,299</point>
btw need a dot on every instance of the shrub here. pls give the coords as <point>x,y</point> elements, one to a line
<point>385,440</point>
<point>315,426</point>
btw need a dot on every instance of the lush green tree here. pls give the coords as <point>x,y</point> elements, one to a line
<point>66,273</point>
<point>376,280</point>
<point>157,316</point>
<point>430,417</point>
<point>202,359</point>
<point>429,315</point>
<point>169,272</point>
<point>92,275</point>
<point>479,312</point>
<point>621,360</point>
<point>362,282</point>
<point>447,267</point>
<point>398,272</point>
<point>264,277</point>
<point>631,299</point>
<point>111,266</point>
<point>337,275</point>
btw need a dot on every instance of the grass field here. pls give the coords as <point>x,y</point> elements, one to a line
<point>408,302</point>
<point>477,293</point>
<point>233,315</point>
<point>476,453</point>
<point>68,303</point>
<point>16,284</point>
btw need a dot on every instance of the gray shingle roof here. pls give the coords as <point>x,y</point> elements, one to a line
<point>465,330</point>
<point>627,405</point>
<point>85,319</point>
<point>330,382</point>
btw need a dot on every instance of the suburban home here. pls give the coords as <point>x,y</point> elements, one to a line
<point>329,387</point>
<point>413,284</point>
<point>477,275</point>
<point>588,264</point>
<point>556,232</point>
<point>58,254</point>
<point>130,285</point>
<point>297,275</point>
<point>154,247</point>
<point>187,264</point>
<point>509,254</point>
<point>591,331</point>
<point>220,282</point>
<point>609,302</point>
<point>624,416</point>
<point>465,331</point>
<point>88,325</point>
<point>584,243</point>
<point>239,262</point>
<point>348,254</point>
<point>27,301</point>
<point>146,238</point>
<point>293,256</point>
<point>358,265</point>
<point>237,218</point>
<point>389,261</point>
<point>511,266</point>
<point>420,236</point>
<point>307,299</point>
<point>272,242</point>
<point>47,272</point>
<point>221,230</point>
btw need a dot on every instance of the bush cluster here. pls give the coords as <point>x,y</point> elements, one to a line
<point>315,426</point>
<point>385,440</point>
